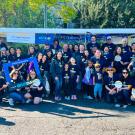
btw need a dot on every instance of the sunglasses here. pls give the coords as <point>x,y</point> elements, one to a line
<point>110,70</point>
<point>125,72</point>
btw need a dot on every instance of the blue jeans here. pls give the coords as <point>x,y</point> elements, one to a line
<point>17,97</point>
<point>58,86</point>
<point>98,90</point>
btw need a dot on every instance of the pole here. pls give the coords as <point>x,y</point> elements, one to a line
<point>45,16</point>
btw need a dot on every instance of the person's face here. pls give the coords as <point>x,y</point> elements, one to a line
<point>109,41</point>
<point>44,58</point>
<point>18,51</point>
<point>90,64</point>
<point>119,50</point>
<point>133,48</point>
<point>66,66</point>
<point>72,61</point>
<point>12,50</point>
<point>49,54</point>
<point>47,47</point>
<point>93,39</point>
<point>31,49</point>
<point>110,71</point>
<point>86,53</point>
<point>32,75</point>
<point>40,56</point>
<point>125,73</point>
<point>106,49</point>
<point>59,55</point>
<point>97,68</point>
<point>98,53</point>
<point>81,47</point>
<point>76,48</point>
<point>70,47</point>
<point>65,47</point>
<point>56,43</point>
<point>124,41</point>
<point>15,75</point>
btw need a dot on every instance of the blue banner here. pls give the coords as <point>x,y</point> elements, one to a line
<point>42,38</point>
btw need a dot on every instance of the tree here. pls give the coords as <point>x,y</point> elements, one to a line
<point>29,13</point>
<point>106,13</point>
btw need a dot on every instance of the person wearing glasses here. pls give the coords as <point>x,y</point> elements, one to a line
<point>15,94</point>
<point>124,93</point>
<point>98,82</point>
<point>110,89</point>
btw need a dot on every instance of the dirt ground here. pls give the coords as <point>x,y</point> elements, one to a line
<point>80,117</point>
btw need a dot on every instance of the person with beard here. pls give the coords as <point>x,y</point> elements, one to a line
<point>93,44</point>
<point>109,44</point>
<point>66,53</point>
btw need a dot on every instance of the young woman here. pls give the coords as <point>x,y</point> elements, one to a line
<point>31,52</point>
<point>74,78</point>
<point>66,82</point>
<point>110,89</point>
<point>124,93</point>
<point>15,94</point>
<point>56,72</point>
<point>87,81</point>
<point>35,90</point>
<point>12,54</point>
<point>3,57</point>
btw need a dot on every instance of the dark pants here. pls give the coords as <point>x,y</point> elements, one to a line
<point>73,85</point>
<point>87,89</point>
<point>124,97</point>
<point>66,88</point>
<point>111,98</point>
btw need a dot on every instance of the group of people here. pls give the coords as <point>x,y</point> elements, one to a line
<point>97,71</point>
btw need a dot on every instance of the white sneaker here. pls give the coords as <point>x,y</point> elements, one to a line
<point>11,102</point>
<point>117,105</point>
<point>28,101</point>
<point>124,106</point>
<point>89,97</point>
<point>67,98</point>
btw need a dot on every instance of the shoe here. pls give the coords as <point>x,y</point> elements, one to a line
<point>56,98</point>
<point>124,106</point>
<point>67,98</point>
<point>89,97</point>
<point>75,97</point>
<point>117,105</point>
<point>28,101</point>
<point>11,102</point>
<point>72,97</point>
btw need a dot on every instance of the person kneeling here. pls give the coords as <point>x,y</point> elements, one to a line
<point>35,90</point>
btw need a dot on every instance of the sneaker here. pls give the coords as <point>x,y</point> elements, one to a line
<point>89,97</point>
<point>117,105</point>
<point>11,102</point>
<point>28,101</point>
<point>56,98</point>
<point>75,97</point>
<point>67,98</point>
<point>72,97</point>
<point>124,106</point>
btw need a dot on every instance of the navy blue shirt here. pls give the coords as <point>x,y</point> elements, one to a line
<point>98,77</point>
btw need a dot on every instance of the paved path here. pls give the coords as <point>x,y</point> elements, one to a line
<point>67,118</point>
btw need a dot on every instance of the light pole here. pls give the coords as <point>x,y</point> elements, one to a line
<point>45,16</point>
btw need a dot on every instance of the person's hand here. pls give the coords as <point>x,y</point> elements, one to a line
<point>4,86</point>
<point>17,89</point>
<point>119,89</point>
<point>40,88</point>
<point>56,78</point>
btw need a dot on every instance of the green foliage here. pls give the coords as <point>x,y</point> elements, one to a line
<point>106,13</point>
